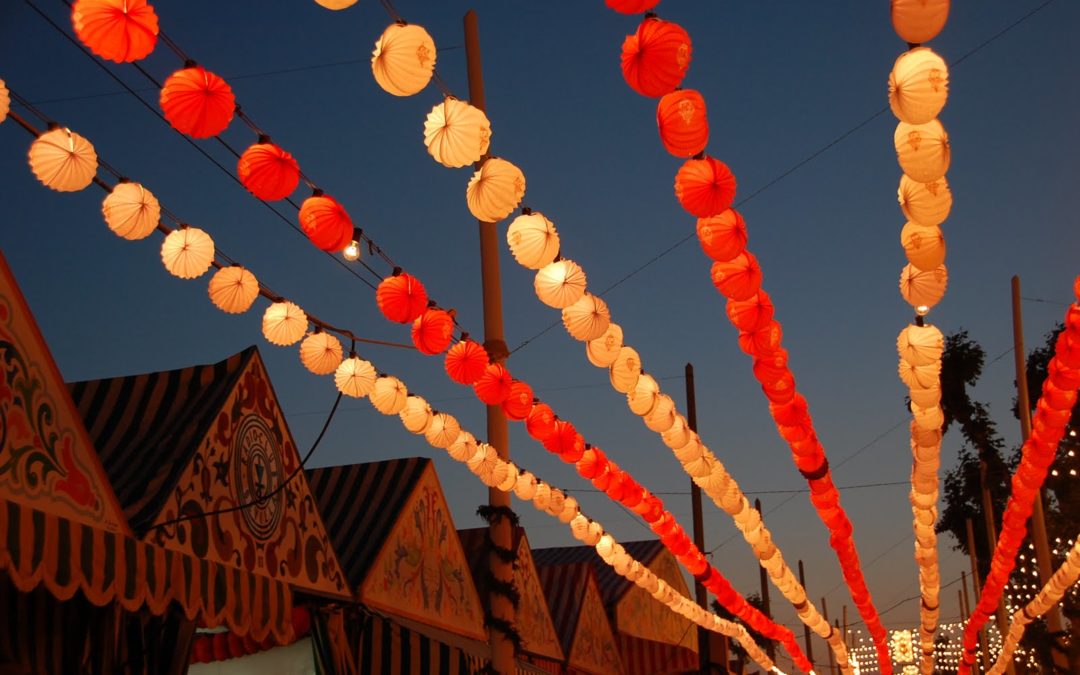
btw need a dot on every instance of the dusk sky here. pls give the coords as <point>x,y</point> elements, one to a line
<point>783,79</point>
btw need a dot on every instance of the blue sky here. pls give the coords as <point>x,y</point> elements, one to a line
<point>782,80</point>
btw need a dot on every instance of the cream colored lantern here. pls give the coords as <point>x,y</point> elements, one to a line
<point>233,289</point>
<point>404,59</point>
<point>603,351</point>
<point>924,246</point>
<point>355,377</point>
<point>587,319</point>
<point>416,415</point>
<point>320,353</point>
<point>918,86</point>
<point>63,160</point>
<point>456,134</point>
<point>188,252</point>
<point>922,150</point>
<point>533,240</point>
<point>284,323</point>
<point>625,370</point>
<point>388,395</point>
<point>560,284</point>
<point>925,203</point>
<point>921,288</point>
<point>495,190</point>
<point>131,211</point>
<point>443,431</point>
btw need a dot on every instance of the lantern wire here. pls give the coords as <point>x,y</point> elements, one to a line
<point>795,167</point>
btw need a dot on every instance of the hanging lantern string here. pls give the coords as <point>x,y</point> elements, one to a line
<point>243,116</point>
<point>264,290</point>
<point>440,83</point>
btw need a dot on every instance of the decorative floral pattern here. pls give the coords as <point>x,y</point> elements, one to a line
<point>641,615</point>
<point>594,649</point>
<point>533,619</point>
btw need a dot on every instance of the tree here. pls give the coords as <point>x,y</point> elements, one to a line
<point>736,649</point>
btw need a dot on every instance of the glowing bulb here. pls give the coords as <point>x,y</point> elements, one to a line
<point>922,310</point>
<point>1072,432</point>
<point>352,251</point>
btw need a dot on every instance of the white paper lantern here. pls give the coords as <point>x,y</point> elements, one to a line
<point>643,396</point>
<point>483,462</point>
<point>188,252</point>
<point>355,377</point>
<point>918,86</point>
<point>63,160</point>
<point>625,370</point>
<point>321,353</point>
<point>594,534</point>
<point>923,289</point>
<point>919,21</point>
<point>542,497</point>
<point>131,211</point>
<point>560,284</point>
<point>533,240</point>
<point>603,351</point>
<point>927,418</point>
<point>924,246</point>
<point>920,345</point>
<point>233,289</point>
<point>579,527</point>
<point>925,203</point>
<point>404,59</point>
<point>443,430</point>
<point>920,377</point>
<point>495,190</point>
<point>509,475</point>
<point>570,510</point>
<point>416,415</point>
<point>388,395</point>
<point>678,435</point>
<point>922,150</point>
<point>456,134</point>
<point>463,447</point>
<point>587,319</point>
<point>526,485</point>
<point>691,451</point>
<point>606,547</point>
<point>662,416</point>
<point>5,101</point>
<point>556,502</point>
<point>284,323</point>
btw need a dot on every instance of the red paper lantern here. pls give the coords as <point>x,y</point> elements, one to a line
<point>197,102</point>
<point>772,366</point>
<point>1057,398</point>
<point>563,439</point>
<point>519,403</point>
<point>607,474</point>
<point>654,510</point>
<point>705,187</point>
<point>592,463</point>
<point>433,331</point>
<point>267,171</point>
<point>117,30</point>
<point>722,237</point>
<point>683,123</point>
<point>633,493</point>
<point>466,361</point>
<point>631,6</point>
<point>762,342</point>
<point>493,387</point>
<point>1063,377</point>
<point>401,298</point>
<point>753,314</point>
<point>792,413</point>
<point>781,391</point>
<point>326,223</point>
<point>738,279</point>
<point>616,488</point>
<point>655,58</point>
<point>541,422</point>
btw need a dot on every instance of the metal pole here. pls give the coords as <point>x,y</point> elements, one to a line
<point>1038,518</point>
<point>502,649</point>
<point>983,645</point>
<point>832,658</point>
<point>765,592</point>
<point>806,628</point>
<point>700,594</point>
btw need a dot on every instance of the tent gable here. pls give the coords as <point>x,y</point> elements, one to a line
<point>421,571</point>
<point>594,649</point>
<point>533,616</point>
<point>245,457</point>
<point>641,615</point>
<point>47,459</point>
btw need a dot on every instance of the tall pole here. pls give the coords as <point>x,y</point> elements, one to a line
<point>983,645</point>
<point>825,615</point>
<point>771,650</point>
<point>846,641</point>
<point>502,610</point>
<point>700,594</point>
<point>1038,518</point>
<point>965,602</point>
<point>806,628</point>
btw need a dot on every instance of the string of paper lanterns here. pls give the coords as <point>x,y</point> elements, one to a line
<point>918,91</point>
<point>1048,596</point>
<point>654,62</point>
<point>534,243</point>
<point>1052,413</point>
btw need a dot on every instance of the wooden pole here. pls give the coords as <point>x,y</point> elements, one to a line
<point>983,645</point>
<point>502,649</point>
<point>700,593</point>
<point>805,628</point>
<point>965,604</point>
<point>847,641</point>
<point>765,592</point>
<point>1038,518</point>
<point>836,627</point>
<point>832,658</point>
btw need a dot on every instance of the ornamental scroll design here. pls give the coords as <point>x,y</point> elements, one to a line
<point>594,643</point>
<point>244,459</point>
<point>41,458</point>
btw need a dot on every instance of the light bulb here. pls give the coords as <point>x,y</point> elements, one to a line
<point>352,251</point>
<point>922,310</point>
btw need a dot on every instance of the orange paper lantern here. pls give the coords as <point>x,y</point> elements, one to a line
<point>401,298</point>
<point>541,422</point>
<point>432,331</point>
<point>466,361</point>
<point>267,171</point>
<point>683,123</point>
<point>493,387</point>
<point>738,279</point>
<point>918,21</point>
<point>631,6</point>
<point>117,30</point>
<point>197,102</point>
<point>722,237</point>
<point>705,187</point>
<point>655,58</point>
<point>326,222</point>
<point>753,314</point>
<point>519,403</point>
<point>592,463</point>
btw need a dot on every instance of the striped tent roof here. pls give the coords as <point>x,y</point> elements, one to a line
<point>147,427</point>
<point>564,586</point>
<point>360,503</point>
<point>612,586</point>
